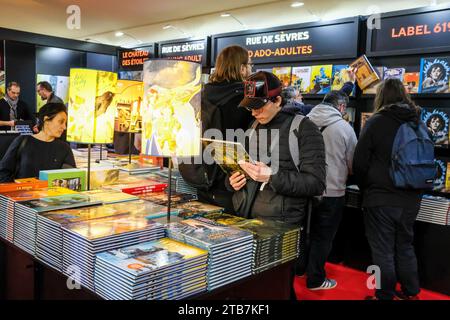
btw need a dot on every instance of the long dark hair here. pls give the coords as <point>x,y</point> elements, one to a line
<point>392,91</point>
<point>228,64</point>
<point>49,110</point>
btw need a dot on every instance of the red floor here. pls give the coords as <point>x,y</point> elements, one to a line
<point>351,286</point>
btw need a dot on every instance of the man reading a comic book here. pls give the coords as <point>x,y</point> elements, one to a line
<point>278,185</point>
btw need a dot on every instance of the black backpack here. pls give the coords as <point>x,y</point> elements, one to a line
<point>203,176</point>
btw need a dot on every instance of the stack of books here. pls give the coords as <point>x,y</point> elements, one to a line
<point>25,216</point>
<point>178,183</point>
<point>138,187</point>
<point>83,240</point>
<point>7,204</point>
<point>230,249</point>
<point>81,155</point>
<point>157,270</point>
<point>162,198</point>
<point>434,210</point>
<point>274,242</point>
<point>195,209</point>
<point>49,239</point>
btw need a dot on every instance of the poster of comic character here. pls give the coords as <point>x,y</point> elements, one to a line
<point>434,75</point>
<point>437,122</point>
<point>441,171</point>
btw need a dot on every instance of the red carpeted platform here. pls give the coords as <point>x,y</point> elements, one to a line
<point>351,286</point>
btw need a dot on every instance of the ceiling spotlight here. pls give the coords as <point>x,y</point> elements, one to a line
<point>119,34</point>
<point>225,15</point>
<point>297,4</point>
<point>168,26</point>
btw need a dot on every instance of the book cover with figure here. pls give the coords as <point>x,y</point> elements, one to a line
<point>411,82</point>
<point>437,122</point>
<point>320,79</point>
<point>394,73</point>
<point>434,75</point>
<point>284,74</point>
<point>301,78</point>
<point>365,73</point>
<point>441,174</point>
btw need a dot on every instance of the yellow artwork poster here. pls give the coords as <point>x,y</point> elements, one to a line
<point>128,101</point>
<point>91,112</point>
<point>171,110</point>
<point>320,79</point>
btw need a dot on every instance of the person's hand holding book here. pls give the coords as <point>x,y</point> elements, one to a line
<point>259,171</point>
<point>238,181</point>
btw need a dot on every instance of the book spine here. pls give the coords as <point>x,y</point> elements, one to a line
<point>144,189</point>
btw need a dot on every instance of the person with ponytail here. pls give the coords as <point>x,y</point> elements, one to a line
<point>27,155</point>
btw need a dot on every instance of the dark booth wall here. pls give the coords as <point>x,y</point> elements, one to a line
<point>55,61</point>
<point>101,62</point>
<point>20,66</point>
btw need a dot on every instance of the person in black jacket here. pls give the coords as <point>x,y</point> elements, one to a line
<point>283,187</point>
<point>12,109</point>
<point>280,191</point>
<point>225,90</point>
<point>389,212</point>
<point>27,155</point>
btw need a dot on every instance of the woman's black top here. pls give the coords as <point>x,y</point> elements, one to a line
<point>34,155</point>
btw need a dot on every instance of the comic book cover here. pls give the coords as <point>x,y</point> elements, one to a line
<point>196,208</point>
<point>103,176</point>
<point>434,75</point>
<point>320,79</point>
<point>23,195</point>
<point>365,73</point>
<point>59,202</point>
<point>13,186</point>
<point>150,256</point>
<point>284,74</point>
<point>110,226</point>
<point>227,154</point>
<point>372,89</point>
<point>128,100</point>
<point>394,73</point>
<point>207,233</point>
<point>339,77</point>
<point>411,82</point>
<point>447,178</point>
<point>301,78</point>
<point>437,122</point>
<point>441,169</point>
<point>73,179</point>
<point>136,208</point>
<point>171,108</point>
<point>224,218</point>
<point>91,112</point>
<point>266,228</point>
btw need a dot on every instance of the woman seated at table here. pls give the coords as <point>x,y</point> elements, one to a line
<point>27,155</point>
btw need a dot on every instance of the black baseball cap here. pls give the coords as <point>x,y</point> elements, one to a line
<point>260,88</point>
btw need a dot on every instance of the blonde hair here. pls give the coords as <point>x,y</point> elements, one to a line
<point>228,64</point>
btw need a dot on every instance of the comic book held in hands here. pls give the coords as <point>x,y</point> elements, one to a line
<point>365,73</point>
<point>227,154</point>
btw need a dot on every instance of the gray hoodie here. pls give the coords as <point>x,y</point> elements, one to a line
<point>340,141</point>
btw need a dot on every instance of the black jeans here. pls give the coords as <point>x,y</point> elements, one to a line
<point>325,221</point>
<point>390,234</point>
